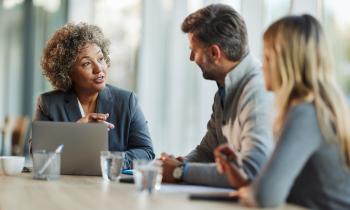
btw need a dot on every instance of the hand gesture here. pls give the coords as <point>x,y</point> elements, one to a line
<point>96,117</point>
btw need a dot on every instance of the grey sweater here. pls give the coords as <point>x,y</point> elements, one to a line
<point>304,169</point>
<point>243,121</point>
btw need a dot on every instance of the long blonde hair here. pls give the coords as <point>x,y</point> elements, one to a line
<point>301,71</point>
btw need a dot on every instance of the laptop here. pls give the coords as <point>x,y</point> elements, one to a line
<point>83,143</point>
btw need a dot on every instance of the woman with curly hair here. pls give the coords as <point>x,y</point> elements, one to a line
<point>310,165</point>
<point>76,61</point>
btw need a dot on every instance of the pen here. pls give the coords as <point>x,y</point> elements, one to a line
<point>47,163</point>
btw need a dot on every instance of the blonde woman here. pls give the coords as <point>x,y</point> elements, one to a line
<point>311,161</point>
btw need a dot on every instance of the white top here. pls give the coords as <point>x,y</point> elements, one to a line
<point>81,108</point>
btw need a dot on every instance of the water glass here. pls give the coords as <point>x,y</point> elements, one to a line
<point>46,165</point>
<point>147,175</point>
<point>111,164</point>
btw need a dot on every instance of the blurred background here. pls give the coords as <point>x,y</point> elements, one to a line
<point>149,53</point>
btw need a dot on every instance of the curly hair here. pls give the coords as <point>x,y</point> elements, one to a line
<point>63,48</point>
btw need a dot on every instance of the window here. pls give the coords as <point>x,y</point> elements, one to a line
<point>121,23</point>
<point>337,27</point>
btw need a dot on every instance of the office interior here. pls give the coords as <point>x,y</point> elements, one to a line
<point>149,55</point>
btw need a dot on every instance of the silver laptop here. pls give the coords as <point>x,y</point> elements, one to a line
<point>82,144</point>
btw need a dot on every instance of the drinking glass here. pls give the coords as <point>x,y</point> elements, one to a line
<point>147,175</point>
<point>46,165</point>
<point>111,164</point>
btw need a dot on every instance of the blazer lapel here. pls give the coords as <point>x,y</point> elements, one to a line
<point>71,106</point>
<point>104,101</point>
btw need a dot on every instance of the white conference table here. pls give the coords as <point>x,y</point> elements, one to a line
<point>85,193</point>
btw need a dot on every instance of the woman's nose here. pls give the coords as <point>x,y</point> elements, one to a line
<point>98,68</point>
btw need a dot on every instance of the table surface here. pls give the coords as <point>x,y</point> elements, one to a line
<point>82,192</point>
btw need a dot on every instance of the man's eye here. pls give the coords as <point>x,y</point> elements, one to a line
<point>101,59</point>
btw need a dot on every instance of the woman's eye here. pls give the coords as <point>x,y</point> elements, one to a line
<point>101,59</point>
<point>86,64</point>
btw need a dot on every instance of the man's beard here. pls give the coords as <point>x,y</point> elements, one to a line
<point>208,70</point>
<point>208,74</point>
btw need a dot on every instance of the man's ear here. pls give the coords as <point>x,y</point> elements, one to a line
<point>215,52</point>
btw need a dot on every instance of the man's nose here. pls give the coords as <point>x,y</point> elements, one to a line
<point>191,57</point>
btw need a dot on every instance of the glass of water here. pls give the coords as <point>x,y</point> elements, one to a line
<point>111,164</point>
<point>147,175</point>
<point>46,165</point>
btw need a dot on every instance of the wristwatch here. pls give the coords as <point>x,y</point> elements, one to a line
<point>178,173</point>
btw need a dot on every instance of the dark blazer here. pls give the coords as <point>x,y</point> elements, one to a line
<point>131,130</point>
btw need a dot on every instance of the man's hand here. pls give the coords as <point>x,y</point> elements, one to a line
<point>169,164</point>
<point>96,117</point>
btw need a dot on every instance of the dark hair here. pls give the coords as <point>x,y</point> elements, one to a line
<point>222,25</point>
<point>62,50</point>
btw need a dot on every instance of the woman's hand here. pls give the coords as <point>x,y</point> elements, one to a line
<point>96,117</point>
<point>229,163</point>
<point>245,195</point>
